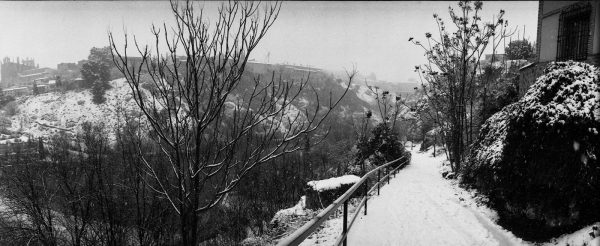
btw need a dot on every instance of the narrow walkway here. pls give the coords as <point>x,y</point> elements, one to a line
<point>419,207</point>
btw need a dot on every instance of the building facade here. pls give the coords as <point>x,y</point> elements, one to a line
<point>36,75</point>
<point>10,70</point>
<point>567,30</point>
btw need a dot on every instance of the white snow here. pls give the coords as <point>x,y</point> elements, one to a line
<point>496,127</point>
<point>419,207</point>
<point>333,183</point>
<point>44,114</point>
<point>363,93</point>
<point>571,97</point>
<point>577,238</point>
<point>298,210</point>
<point>303,102</point>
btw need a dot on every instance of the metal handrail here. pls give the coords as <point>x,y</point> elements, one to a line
<point>303,232</point>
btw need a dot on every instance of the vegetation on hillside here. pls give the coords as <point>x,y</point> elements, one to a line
<point>96,72</point>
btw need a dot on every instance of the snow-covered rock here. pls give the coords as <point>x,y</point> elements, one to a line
<point>321,193</point>
<point>297,210</point>
<point>333,183</point>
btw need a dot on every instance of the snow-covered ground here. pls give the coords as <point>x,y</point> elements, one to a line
<point>44,114</point>
<point>578,238</point>
<point>419,207</point>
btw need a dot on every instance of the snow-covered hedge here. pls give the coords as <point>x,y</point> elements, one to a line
<point>537,159</point>
<point>321,193</point>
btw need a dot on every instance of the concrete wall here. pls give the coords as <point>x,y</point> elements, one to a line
<point>595,28</point>
<point>528,76</point>
<point>550,6</point>
<point>549,35</point>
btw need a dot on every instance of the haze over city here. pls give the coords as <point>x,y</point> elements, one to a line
<point>331,35</point>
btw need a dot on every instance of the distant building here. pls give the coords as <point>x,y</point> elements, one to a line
<point>17,91</point>
<point>495,57</point>
<point>37,75</point>
<point>44,88</point>
<point>10,70</point>
<point>67,67</point>
<point>68,71</point>
<point>567,30</point>
<point>136,61</point>
<point>259,67</point>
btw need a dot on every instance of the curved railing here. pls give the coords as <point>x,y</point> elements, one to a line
<point>303,232</point>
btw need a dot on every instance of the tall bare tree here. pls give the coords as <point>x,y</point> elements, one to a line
<point>213,125</point>
<point>449,76</point>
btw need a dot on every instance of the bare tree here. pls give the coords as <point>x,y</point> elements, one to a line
<point>388,105</point>
<point>449,76</point>
<point>212,125</point>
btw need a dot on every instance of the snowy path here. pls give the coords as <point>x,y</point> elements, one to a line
<point>419,207</point>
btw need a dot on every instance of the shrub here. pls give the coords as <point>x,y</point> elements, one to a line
<point>382,146</point>
<point>5,123</point>
<point>11,108</point>
<point>536,159</point>
<point>4,99</point>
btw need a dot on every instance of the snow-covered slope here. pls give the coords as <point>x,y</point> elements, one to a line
<point>44,114</point>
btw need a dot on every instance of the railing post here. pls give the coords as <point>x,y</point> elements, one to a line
<point>366,194</point>
<point>345,224</point>
<point>388,175</point>
<point>378,180</point>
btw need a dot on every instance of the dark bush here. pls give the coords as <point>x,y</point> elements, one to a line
<point>321,199</point>
<point>537,158</point>
<point>381,147</point>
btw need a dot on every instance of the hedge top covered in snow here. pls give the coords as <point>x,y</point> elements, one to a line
<point>537,159</point>
<point>567,89</point>
<point>333,183</point>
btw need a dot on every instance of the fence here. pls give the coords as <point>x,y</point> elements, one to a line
<point>303,232</point>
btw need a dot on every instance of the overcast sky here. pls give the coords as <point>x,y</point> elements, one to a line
<point>333,35</point>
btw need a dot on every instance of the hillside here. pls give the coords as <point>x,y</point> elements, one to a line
<point>45,114</point>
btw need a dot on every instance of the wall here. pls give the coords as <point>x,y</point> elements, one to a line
<point>549,34</point>
<point>10,70</point>
<point>554,6</point>
<point>528,76</point>
<point>548,29</point>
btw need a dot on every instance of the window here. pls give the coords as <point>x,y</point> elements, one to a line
<point>573,33</point>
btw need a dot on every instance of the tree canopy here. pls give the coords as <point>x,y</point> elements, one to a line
<point>519,50</point>
<point>96,72</point>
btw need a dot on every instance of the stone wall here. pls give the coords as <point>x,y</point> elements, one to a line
<point>528,75</point>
